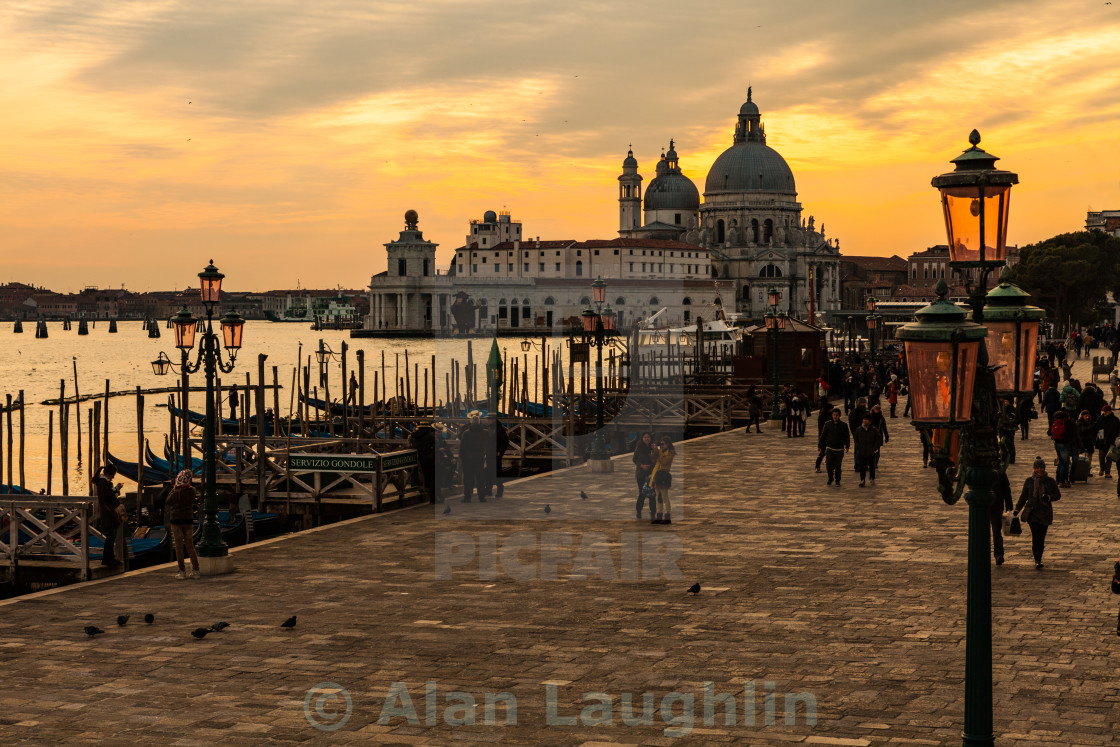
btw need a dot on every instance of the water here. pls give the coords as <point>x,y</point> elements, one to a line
<point>38,365</point>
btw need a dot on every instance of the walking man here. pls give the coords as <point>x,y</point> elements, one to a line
<point>867,440</point>
<point>834,441</point>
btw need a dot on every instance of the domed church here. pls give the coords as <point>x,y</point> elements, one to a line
<point>750,221</point>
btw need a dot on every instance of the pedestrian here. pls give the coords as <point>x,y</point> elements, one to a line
<point>182,503</point>
<point>794,421</point>
<point>1092,399</point>
<point>867,441</point>
<point>497,443</point>
<point>423,440</point>
<point>472,457</point>
<point>754,410</point>
<point>1000,503</point>
<point>879,422</point>
<point>1108,430</point>
<point>857,413</point>
<point>662,480</point>
<point>1063,431</point>
<point>892,393</point>
<point>834,441</point>
<point>1039,493</point>
<point>110,513</point>
<point>643,459</point>
<point>1114,383</point>
<point>824,417</point>
<point>1086,439</point>
<point>352,397</point>
<point>444,460</point>
<point>1026,414</point>
<point>233,401</point>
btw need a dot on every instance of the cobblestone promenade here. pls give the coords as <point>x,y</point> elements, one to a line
<point>844,605</point>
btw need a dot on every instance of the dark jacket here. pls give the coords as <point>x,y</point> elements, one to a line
<point>643,456</point>
<point>1051,401</point>
<point>1086,434</point>
<point>1091,400</point>
<point>855,418</point>
<point>1071,437</point>
<point>181,504</point>
<point>824,417</point>
<point>879,422</point>
<point>497,439</point>
<point>107,502</point>
<point>1042,510</point>
<point>1109,425</point>
<point>867,441</point>
<point>1002,490</point>
<point>834,436</point>
<point>473,443</point>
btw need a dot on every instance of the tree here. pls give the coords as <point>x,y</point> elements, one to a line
<point>1070,275</point>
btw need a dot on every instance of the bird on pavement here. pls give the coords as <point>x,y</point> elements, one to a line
<point>149,618</point>
<point>200,633</point>
<point>694,589</point>
<point>219,626</point>
<point>92,630</point>
<point>122,620</point>
<point>289,623</point>
<point>547,508</point>
<point>583,495</point>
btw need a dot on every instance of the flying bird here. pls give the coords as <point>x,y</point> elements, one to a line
<point>200,633</point>
<point>149,618</point>
<point>447,510</point>
<point>289,623</point>
<point>219,626</point>
<point>92,630</point>
<point>583,495</point>
<point>547,508</point>
<point>122,620</point>
<point>694,589</point>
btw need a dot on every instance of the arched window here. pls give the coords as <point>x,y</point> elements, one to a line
<point>550,301</point>
<point>579,268</point>
<point>771,271</point>
<point>653,301</point>
<point>584,301</point>
<point>754,229</point>
<point>686,301</point>
<point>719,231</point>
<point>627,190</point>
<point>767,231</point>
<point>620,301</point>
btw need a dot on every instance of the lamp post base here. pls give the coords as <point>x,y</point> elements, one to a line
<point>215,566</point>
<point>601,465</point>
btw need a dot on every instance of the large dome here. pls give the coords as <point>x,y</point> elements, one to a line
<point>672,191</point>
<point>750,166</point>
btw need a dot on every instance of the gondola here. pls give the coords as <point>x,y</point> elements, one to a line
<point>131,470</point>
<point>165,464</point>
<point>336,408</point>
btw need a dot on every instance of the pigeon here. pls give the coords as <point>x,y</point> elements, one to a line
<point>200,633</point>
<point>694,589</point>
<point>447,510</point>
<point>547,508</point>
<point>219,626</point>
<point>149,618</point>
<point>289,623</point>
<point>92,630</point>
<point>583,495</point>
<point>122,620</point>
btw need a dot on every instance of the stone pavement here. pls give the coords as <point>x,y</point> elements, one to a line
<point>850,597</point>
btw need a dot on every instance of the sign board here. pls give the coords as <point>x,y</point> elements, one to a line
<point>332,463</point>
<point>399,460</point>
<point>580,353</point>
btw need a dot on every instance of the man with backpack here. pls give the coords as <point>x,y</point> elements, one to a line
<point>1066,444</point>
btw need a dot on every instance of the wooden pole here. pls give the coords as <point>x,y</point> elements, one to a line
<point>22,475</point>
<point>361,354</point>
<point>276,403</point>
<point>11,444</point>
<point>262,477</point>
<point>50,449</point>
<point>105,425</point>
<point>306,394</point>
<point>63,451</point>
<point>345,395</point>
<point>382,375</point>
<point>77,409</point>
<point>407,383</point>
<point>139,451</point>
<point>96,439</point>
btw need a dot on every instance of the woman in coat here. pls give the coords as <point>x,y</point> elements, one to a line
<point>181,505</point>
<point>1039,493</point>
<point>643,458</point>
<point>662,480</point>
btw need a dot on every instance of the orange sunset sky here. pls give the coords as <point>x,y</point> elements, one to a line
<point>286,139</point>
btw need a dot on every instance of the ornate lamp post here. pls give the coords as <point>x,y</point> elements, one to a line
<point>872,324</point>
<point>595,322</point>
<point>956,385</point>
<point>212,550</point>
<point>774,323</point>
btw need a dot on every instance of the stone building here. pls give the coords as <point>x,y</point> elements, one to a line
<point>861,277</point>
<point>1103,220</point>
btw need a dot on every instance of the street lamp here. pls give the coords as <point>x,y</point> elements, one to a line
<point>957,382</point>
<point>774,323</point>
<point>212,549</point>
<point>596,323</point>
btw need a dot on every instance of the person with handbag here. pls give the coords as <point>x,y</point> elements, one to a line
<point>1108,429</point>
<point>1001,503</point>
<point>1035,507</point>
<point>182,502</point>
<point>662,480</point>
<point>110,514</point>
<point>643,467</point>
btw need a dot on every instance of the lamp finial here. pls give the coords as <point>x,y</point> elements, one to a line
<point>941,289</point>
<point>974,138</point>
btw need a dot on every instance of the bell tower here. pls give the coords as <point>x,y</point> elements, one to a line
<point>411,255</point>
<point>629,196</point>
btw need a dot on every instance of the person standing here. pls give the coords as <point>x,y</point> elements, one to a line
<point>233,402</point>
<point>109,518</point>
<point>472,457</point>
<point>754,408</point>
<point>868,441</point>
<point>1108,429</point>
<point>879,423</point>
<point>823,417</point>
<point>662,479</point>
<point>182,504</point>
<point>1039,493</point>
<point>1026,407</point>
<point>352,397</point>
<point>892,393</point>
<point>1063,431</point>
<point>643,459</point>
<point>834,441</point>
<point>497,443</point>
<point>1000,503</point>
<point>794,421</point>
<point>423,440</point>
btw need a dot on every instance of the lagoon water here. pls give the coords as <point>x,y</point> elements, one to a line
<point>38,365</point>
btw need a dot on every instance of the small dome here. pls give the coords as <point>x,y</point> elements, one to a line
<point>630,162</point>
<point>672,190</point>
<point>489,217</point>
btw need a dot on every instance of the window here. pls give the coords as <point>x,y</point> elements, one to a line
<point>596,252</point>
<point>616,252</point>
<point>402,266</point>
<point>558,267</point>
<point>541,268</point>
<point>579,252</point>
<point>549,301</point>
<point>484,260</point>
<point>497,267</point>
<point>677,218</point>
<point>620,301</point>
<point>671,268</point>
<point>767,231</point>
<point>686,301</point>
<point>460,269</point>
<point>719,231</point>
<point>631,267</point>
<point>484,242</point>
<point>526,267</point>
<point>474,268</point>
<point>579,267</point>
<point>509,267</point>
<point>771,271</point>
<point>754,229</point>
<point>653,301</point>
<point>643,266</point>
<point>627,190</point>
<point>584,301</point>
<point>427,267</point>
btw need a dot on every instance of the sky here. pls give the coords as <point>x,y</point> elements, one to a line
<point>286,139</point>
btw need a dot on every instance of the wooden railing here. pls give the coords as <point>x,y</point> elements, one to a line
<point>46,529</point>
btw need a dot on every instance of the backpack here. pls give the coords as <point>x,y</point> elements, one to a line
<point>1069,399</point>
<point>1058,429</point>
